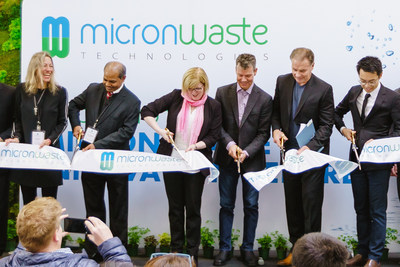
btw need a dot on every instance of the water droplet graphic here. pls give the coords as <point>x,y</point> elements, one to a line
<point>348,23</point>
<point>389,53</point>
<point>390,27</point>
<point>383,66</point>
<point>349,47</point>
<point>390,39</point>
<point>371,36</point>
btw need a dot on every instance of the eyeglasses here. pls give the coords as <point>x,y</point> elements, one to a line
<point>370,83</point>
<point>181,255</point>
<point>198,89</point>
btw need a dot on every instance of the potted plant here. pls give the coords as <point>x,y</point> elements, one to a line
<point>280,243</point>
<point>66,239</point>
<point>208,240</point>
<point>150,244</point>
<point>165,241</point>
<point>266,243</point>
<point>351,243</point>
<point>11,235</point>
<point>234,238</point>
<point>135,233</point>
<point>391,235</point>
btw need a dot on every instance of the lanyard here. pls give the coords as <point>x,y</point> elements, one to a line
<point>101,114</point>
<point>36,109</point>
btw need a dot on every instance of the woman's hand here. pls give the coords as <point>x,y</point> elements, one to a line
<point>46,142</point>
<point>12,140</point>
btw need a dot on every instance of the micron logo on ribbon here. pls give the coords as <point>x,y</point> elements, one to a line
<point>107,161</point>
<point>55,36</point>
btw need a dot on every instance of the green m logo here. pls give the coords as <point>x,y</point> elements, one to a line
<point>55,36</point>
<point>107,161</point>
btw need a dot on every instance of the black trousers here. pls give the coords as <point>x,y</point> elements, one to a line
<point>184,193</point>
<point>93,191</point>
<point>4,189</point>
<point>29,193</point>
<point>304,194</point>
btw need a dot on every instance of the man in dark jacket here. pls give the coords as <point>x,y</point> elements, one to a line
<point>40,235</point>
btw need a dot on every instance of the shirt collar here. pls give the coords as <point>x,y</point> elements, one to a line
<point>238,88</point>
<point>374,93</point>
<point>118,90</point>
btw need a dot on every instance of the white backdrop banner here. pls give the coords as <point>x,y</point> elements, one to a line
<point>295,163</point>
<point>159,40</point>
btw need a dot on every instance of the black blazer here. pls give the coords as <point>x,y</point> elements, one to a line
<point>7,101</point>
<point>118,122</point>
<point>378,123</point>
<point>316,103</point>
<point>53,117</point>
<point>210,132</point>
<point>253,132</point>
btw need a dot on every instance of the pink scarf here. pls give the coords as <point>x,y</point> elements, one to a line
<point>198,120</point>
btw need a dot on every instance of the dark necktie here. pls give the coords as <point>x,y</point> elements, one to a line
<point>363,107</point>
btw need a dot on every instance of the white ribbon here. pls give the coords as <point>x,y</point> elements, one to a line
<point>26,156</point>
<point>294,163</point>
<point>385,150</point>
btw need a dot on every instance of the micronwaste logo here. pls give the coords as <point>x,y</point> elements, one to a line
<point>55,36</point>
<point>107,161</point>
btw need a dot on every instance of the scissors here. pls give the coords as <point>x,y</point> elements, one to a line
<point>77,147</point>
<point>238,154</point>
<point>354,147</point>
<point>282,149</point>
<point>169,134</point>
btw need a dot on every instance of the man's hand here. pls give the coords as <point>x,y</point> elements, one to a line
<point>369,141</point>
<point>242,156</point>
<point>77,129</point>
<point>303,148</point>
<point>232,151</point>
<point>99,231</point>
<point>394,170</point>
<point>90,146</point>
<point>348,133</point>
<point>12,140</point>
<point>46,142</point>
<point>277,136</point>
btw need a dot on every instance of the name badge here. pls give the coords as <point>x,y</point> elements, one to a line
<point>90,135</point>
<point>37,137</point>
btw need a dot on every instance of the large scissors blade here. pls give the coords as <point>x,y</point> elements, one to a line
<point>238,154</point>
<point>77,147</point>
<point>354,147</point>
<point>282,149</point>
<point>174,146</point>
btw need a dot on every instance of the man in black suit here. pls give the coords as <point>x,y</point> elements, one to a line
<point>7,100</point>
<point>299,97</point>
<point>374,109</point>
<point>113,111</point>
<point>246,121</point>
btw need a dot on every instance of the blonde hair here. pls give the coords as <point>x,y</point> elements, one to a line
<point>192,77</point>
<point>37,222</point>
<point>169,260</point>
<point>34,79</point>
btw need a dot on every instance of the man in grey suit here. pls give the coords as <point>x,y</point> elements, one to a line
<point>246,121</point>
<point>7,101</point>
<point>299,97</point>
<point>113,112</point>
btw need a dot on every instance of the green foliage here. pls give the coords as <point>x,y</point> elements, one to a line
<point>165,239</point>
<point>135,233</point>
<point>235,236</point>
<point>81,242</point>
<point>3,74</point>
<point>9,10</point>
<point>11,230</point>
<point>14,42</point>
<point>391,235</point>
<point>208,236</point>
<point>350,241</point>
<point>150,241</point>
<point>265,241</point>
<point>279,241</point>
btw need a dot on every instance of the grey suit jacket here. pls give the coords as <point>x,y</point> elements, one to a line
<point>253,132</point>
<point>118,122</point>
<point>316,103</point>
